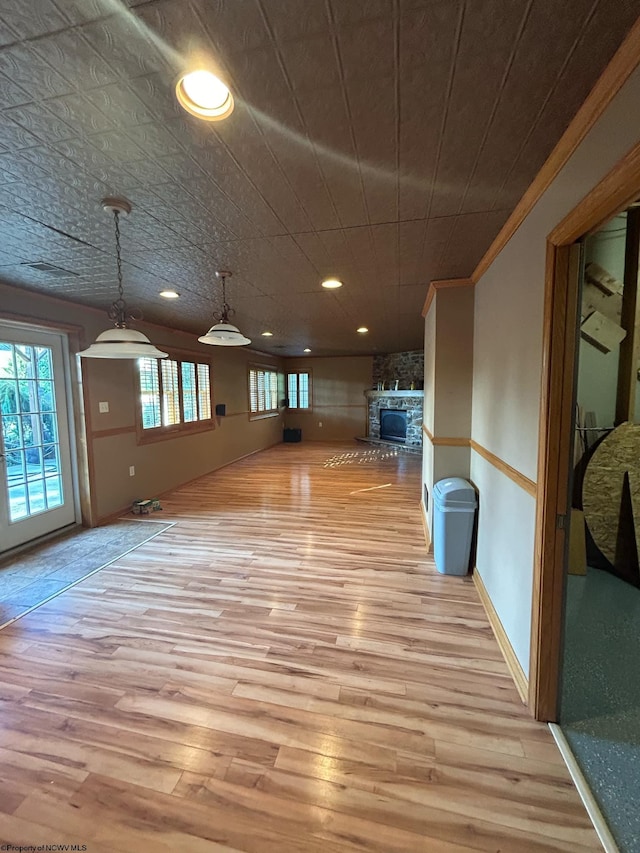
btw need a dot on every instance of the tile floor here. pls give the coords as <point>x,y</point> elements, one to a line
<point>32,576</point>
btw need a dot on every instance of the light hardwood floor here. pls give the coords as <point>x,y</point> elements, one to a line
<point>283,671</point>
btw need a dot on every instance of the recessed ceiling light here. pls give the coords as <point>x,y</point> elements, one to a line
<point>363,330</point>
<point>332,283</point>
<point>204,95</point>
<point>267,334</point>
<point>307,349</point>
<point>169,294</point>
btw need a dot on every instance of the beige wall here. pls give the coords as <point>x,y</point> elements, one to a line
<point>508,364</point>
<point>430,366</point>
<point>337,393</point>
<point>111,439</point>
<point>448,385</point>
<point>428,460</point>
<point>454,357</point>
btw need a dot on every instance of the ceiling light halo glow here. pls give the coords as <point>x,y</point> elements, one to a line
<point>169,294</point>
<point>362,330</point>
<point>204,95</point>
<point>331,283</point>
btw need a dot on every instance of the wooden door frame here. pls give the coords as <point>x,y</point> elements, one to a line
<point>614,193</point>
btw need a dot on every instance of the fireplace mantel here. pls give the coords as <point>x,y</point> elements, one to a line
<point>394,394</point>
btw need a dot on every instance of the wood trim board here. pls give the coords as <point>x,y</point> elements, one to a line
<point>611,195</point>
<point>519,479</point>
<point>510,657</point>
<point>450,441</point>
<point>444,441</point>
<point>425,525</point>
<point>617,72</point>
<point>107,433</point>
<point>554,452</point>
<point>443,283</point>
<point>512,473</point>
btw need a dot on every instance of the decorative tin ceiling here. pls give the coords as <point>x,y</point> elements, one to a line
<point>384,142</point>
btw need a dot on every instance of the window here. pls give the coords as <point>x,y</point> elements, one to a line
<point>298,390</point>
<point>174,395</point>
<point>263,391</point>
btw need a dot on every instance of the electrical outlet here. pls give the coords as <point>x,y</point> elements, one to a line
<point>132,470</point>
<point>103,408</point>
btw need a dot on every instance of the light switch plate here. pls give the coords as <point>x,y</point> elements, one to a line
<point>103,408</point>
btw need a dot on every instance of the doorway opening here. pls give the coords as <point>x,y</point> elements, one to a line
<point>599,697</point>
<point>38,482</point>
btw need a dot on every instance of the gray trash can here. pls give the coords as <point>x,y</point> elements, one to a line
<point>454,509</point>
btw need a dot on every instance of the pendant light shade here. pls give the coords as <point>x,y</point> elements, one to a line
<point>120,342</point>
<point>224,333</point>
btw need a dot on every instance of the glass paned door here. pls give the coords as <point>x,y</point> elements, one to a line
<point>36,484</point>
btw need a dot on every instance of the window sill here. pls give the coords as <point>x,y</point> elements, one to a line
<point>258,416</point>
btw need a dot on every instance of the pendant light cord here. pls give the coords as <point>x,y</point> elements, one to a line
<point>119,304</point>
<point>119,307</point>
<point>223,317</point>
<point>116,214</point>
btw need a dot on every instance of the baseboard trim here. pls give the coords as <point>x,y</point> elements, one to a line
<point>517,673</point>
<point>425,525</point>
<point>593,809</point>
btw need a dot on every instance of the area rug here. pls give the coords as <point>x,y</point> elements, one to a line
<point>34,576</point>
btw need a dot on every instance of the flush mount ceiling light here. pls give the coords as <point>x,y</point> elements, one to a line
<point>362,330</point>
<point>169,294</point>
<point>332,283</point>
<point>267,334</point>
<point>204,95</point>
<point>224,334</point>
<point>121,342</point>
<point>307,350</point>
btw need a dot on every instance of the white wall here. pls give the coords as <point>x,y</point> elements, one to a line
<point>508,363</point>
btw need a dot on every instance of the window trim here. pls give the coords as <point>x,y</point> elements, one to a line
<point>267,413</point>
<point>149,435</point>
<point>291,408</point>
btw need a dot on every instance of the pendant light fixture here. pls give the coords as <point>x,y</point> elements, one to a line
<point>224,334</point>
<point>121,342</point>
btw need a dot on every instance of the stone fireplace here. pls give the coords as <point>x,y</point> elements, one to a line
<point>405,406</point>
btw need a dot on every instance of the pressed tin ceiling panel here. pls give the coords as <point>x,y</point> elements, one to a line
<point>384,142</point>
